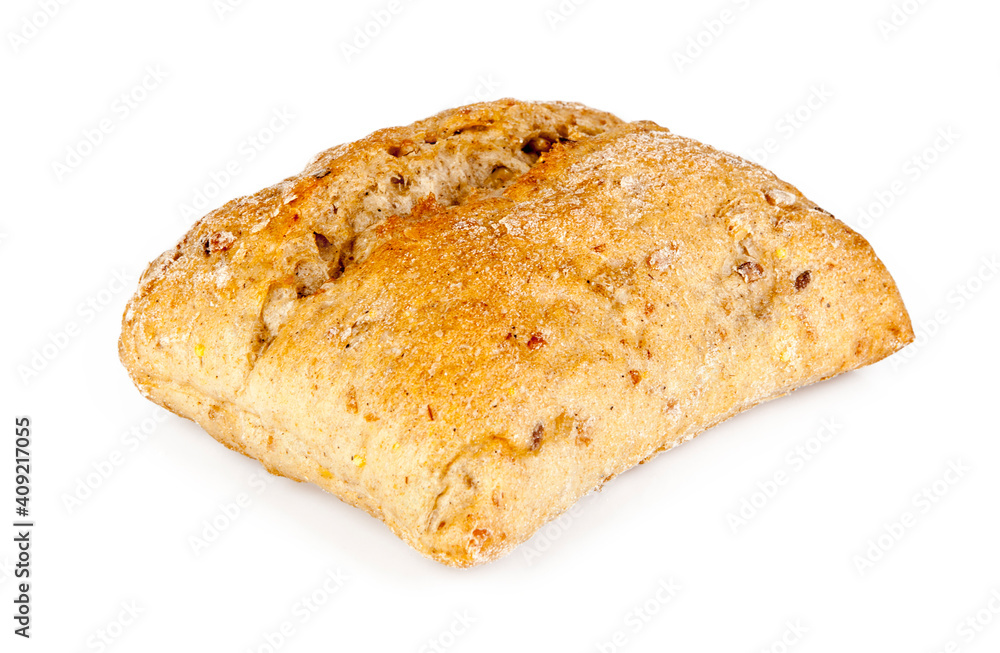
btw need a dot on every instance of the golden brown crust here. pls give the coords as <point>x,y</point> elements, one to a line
<point>577,294</point>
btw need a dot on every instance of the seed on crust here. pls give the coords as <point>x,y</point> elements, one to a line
<point>536,438</point>
<point>750,271</point>
<point>535,341</point>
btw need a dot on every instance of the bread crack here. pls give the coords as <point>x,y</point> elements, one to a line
<point>413,179</point>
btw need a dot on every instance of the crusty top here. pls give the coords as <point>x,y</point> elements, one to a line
<point>464,325</point>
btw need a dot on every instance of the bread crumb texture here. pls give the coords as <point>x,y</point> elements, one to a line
<point>465,325</point>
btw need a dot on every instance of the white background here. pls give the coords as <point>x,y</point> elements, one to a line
<point>878,98</point>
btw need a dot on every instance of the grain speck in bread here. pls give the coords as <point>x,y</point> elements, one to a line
<point>464,325</point>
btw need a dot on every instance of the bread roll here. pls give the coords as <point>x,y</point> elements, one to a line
<point>465,325</point>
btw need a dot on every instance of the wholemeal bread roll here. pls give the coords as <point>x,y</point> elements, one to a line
<point>465,325</point>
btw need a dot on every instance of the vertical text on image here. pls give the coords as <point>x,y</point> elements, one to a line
<point>22,525</point>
